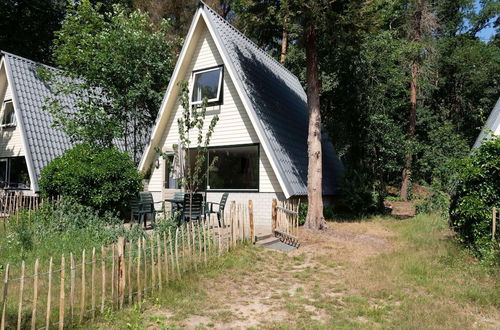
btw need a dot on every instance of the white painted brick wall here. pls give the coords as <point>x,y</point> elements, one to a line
<point>262,204</point>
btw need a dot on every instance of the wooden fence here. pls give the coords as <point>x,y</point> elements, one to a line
<point>285,220</point>
<point>14,203</point>
<point>72,288</point>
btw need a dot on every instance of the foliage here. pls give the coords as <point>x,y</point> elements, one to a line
<point>437,202</point>
<point>121,65</point>
<point>477,192</point>
<point>104,179</point>
<point>59,227</point>
<point>27,27</point>
<point>357,193</point>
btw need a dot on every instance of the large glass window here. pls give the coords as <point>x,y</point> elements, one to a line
<point>18,173</point>
<point>8,116</point>
<point>236,168</point>
<point>3,173</point>
<point>207,83</point>
<point>14,173</point>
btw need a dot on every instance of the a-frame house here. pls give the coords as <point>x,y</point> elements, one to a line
<point>260,139</point>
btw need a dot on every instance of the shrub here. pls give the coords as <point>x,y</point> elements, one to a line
<point>55,228</point>
<point>477,192</point>
<point>437,201</point>
<point>358,193</point>
<point>104,179</point>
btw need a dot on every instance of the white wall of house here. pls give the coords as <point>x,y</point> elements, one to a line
<point>233,128</point>
<point>10,137</point>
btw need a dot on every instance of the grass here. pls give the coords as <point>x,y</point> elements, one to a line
<point>391,274</point>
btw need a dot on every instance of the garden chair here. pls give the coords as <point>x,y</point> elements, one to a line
<point>193,210</point>
<point>142,207</point>
<point>221,205</point>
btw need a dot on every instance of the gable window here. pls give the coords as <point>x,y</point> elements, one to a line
<point>207,83</point>
<point>8,116</point>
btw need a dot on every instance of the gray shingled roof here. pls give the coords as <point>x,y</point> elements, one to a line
<point>44,142</point>
<point>279,102</point>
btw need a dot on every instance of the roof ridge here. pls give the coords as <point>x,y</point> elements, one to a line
<point>248,39</point>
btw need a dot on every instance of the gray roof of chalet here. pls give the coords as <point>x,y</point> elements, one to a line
<point>279,102</point>
<point>44,142</point>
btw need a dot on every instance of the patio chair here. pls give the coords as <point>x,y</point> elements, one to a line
<point>193,210</point>
<point>142,207</point>
<point>176,207</point>
<point>221,205</point>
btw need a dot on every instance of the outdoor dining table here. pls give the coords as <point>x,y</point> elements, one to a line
<point>179,202</point>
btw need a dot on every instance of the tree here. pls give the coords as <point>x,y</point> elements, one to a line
<point>314,219</point>
<point>27,27</point>
<point>123,59</point>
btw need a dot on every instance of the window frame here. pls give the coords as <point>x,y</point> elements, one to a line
<point>236,189</point>
<point>220,96</point>
<point>4,106</point>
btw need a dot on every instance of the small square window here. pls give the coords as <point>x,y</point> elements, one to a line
<point>207,83</point>
<point>8,118</point>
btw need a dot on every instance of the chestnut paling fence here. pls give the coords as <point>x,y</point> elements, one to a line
<point>285,218</point>
<point>69,288</point>
<point>14,203</point>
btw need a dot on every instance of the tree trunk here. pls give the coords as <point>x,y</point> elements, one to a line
<point>284,41</point>
<point>314,219</point>
<point>405,184</point>
<point>416,36</point>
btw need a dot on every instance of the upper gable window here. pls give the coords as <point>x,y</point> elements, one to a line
<point>8,116</point>
<point>207,83</point>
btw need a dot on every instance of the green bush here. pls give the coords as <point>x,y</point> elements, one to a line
<point>104,179</point>
<point>477,191</point>
<point>437,201</point>
<point>358,193</point>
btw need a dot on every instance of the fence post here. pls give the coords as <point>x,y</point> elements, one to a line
<point>103,278</point>
<point>138,273</point>
<point>4,300</point>
<point>82,301</point>
<point>72,285</point>
<point>21,291</point>
<point>250,218</point>
<point>494,224</point>
<point>92,284</point>
<point>61,296</point>
<point>121,271</point>
<point>274,215</point>
<point>35,296</point>
<point>49,296</point>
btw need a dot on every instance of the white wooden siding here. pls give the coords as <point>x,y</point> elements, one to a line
<point>11,144</point>
<point>233,127</point>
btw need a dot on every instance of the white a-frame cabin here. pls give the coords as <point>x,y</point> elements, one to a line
<point>260,139</point>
